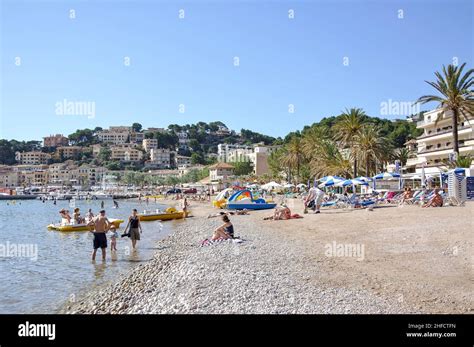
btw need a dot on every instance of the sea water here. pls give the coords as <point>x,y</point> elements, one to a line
<point>42,269</point>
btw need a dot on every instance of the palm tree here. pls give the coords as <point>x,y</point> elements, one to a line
<point>401,154</point>
<point>457,96</point>
<point>329,161</point>
<point>293,156</point>
<point>347,128</point>
<point>370,146</point>
<point>312,140</point>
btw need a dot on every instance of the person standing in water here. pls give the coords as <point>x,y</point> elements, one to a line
<point>135,228</point>
<point>102,204</point>
<point>185,207</point>
<point>101,226</point>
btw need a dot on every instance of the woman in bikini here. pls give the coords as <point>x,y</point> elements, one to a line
<point>225,231</point>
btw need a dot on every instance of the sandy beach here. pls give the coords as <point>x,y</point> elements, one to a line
<point>409,260</point>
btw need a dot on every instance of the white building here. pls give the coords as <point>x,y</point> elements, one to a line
<point>224,150</point>
<point>160,158</point>
<point>435,145</point>
<point>149,144</point>
<point>183,140</point>
<point>220,172</point>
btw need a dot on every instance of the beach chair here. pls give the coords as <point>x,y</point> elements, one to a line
<point>411,201</point>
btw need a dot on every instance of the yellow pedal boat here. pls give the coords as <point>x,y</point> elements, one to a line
<point>81,227</point>
<point>169,214</point>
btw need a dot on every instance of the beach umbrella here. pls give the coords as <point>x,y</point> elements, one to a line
<point>386,176</point>
<point>329,181</point>
<point>271,185</point>
<point>365,179</point>
<point>351,182</point>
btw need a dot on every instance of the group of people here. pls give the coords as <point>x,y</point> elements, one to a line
<point>435,199</point>
<point>76,217</point>
<point>101,225</point>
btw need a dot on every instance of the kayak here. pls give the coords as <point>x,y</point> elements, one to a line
<point>81,227</point>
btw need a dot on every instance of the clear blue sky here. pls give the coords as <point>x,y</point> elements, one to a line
<point>190,61</point>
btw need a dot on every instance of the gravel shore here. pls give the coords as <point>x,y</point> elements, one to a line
<point>264,274</point>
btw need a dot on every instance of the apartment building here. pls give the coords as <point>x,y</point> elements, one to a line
<point>182,160</point>
<point>224,150</point>
<point>183,140</point>
<point>32,158</point>
<point>68,151</point>
<point>435,145</point>
<point>117,135</point>
<point>259,158</point>
<point>160,158</point>
<point>55,140</point>
<point>125,153</point>
<point>149,144</point>
<point>9,178</point>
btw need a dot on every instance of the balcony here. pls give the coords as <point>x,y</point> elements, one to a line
<point>467,147</point>
<point>444,134</point>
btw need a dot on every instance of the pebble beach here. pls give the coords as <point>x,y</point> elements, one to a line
<point>281,268</point>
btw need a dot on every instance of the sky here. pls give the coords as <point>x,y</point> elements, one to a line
<point>267,66</point>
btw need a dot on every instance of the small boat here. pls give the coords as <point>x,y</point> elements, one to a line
<point>81,227</point>
<point>169,214</point>
<point>244,200</point>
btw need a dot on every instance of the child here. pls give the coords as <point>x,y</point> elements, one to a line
<point>113,240</point>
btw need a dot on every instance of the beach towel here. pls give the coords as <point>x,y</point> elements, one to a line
<point>295,216</point>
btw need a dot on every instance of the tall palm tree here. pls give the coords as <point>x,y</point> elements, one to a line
<point>313,139</point>
<point>370,146</point>
<point>329,161</point>
<point>457,96</point>
<point>293,156</point>
<point>347,128</point>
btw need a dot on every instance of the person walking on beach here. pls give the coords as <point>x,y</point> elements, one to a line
<point>314,200</point>
<point>101,226</point>
<point>135,228</point>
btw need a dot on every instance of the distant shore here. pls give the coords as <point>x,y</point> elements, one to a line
<point>416,261</point>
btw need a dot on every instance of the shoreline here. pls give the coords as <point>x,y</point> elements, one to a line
<point>281,268</point>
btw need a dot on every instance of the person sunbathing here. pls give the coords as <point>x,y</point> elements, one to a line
<point>231,213</point>
<point>225,231</point>
<point>407,195</point>
<point>435,201</point>
<point>282,213</point>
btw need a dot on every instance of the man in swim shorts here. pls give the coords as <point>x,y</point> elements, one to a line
<point>101,226</point>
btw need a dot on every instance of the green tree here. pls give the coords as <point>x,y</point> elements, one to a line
<point>197,158</point>
<point>242,168</point>
<point>137,127</point>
